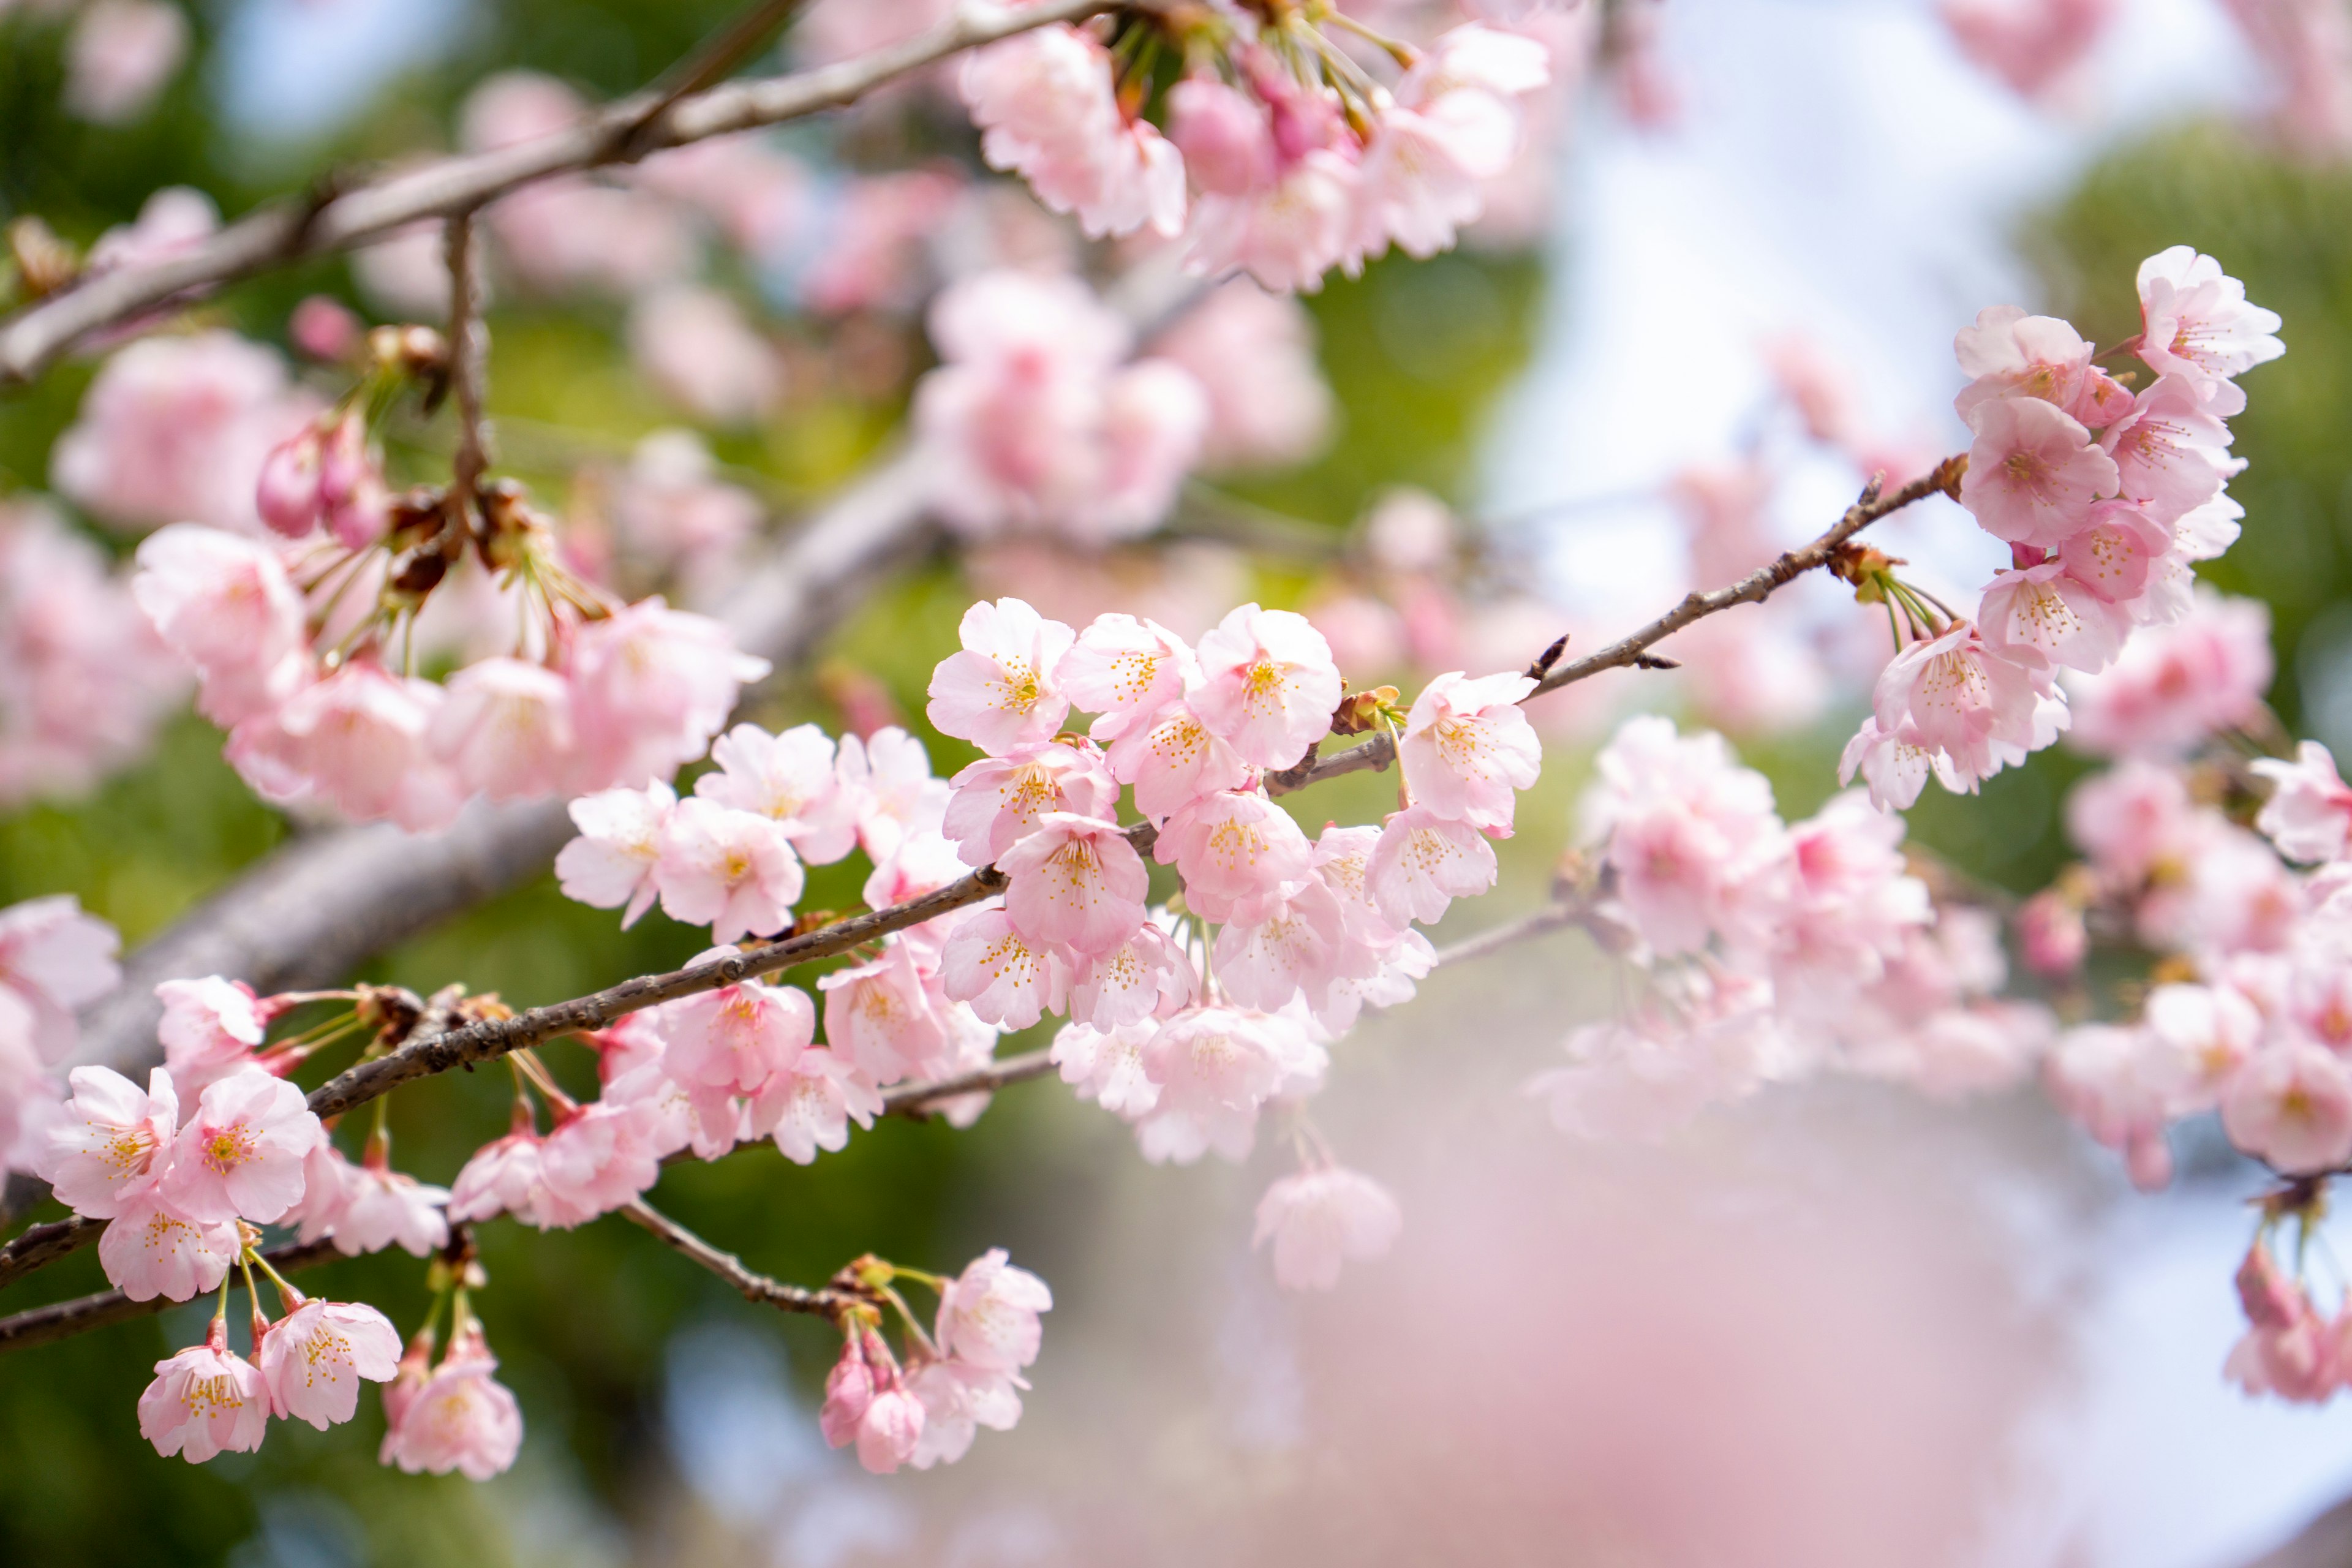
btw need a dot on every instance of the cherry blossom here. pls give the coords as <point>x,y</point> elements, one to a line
<point>113,1140</point>
<point>1316,1218</point>
<point>1215,1068</point>
<point>1978,709</point>
<point>1267,685</point>
<point>650,687</point>
<point>356,738</point>
<point>1236,850</point>
<point>2031,45</point>
<point>122,54</point>
<point>732,871</point>
<point>225,604</point>
<point>886,779</point>
<point>988,1314</point>
<point>612,863</point>
<point>1107,1064</point>
<point>2171,454</point>
<point>1296,944</point>
<point>2049,612</point>
<point>1467,746</point>
<point>505,729</point>
<point>1009,980</point>
<point>1077,883</point>
<point>790,777</point>
<point>810,1107</point>
<point>1172,759</point>
<point>2309,812</point>
<point>149,1250</point>
<point>2173,685</point>
<point>998,801</point>
<point>880,1015</point>
<point>240,1154</point>
<point>1685,830</point>
<point>210,1028</point>
<point>1045,103</point>
<point>2195,322</point>
<point>2011,354</point>
<point>314,1359</point>
<point>738,1036</point>
<point>370,1206</point>
<point>206,1400</point>
<point>1423,862</point>
<point>505,1175</point>
<point>1146,977</point>
<point>2288,1349</point>
<point>2033,472</point>
<point>1000,691</point>
<point>1253,354</point>
<point>957,1400</point>
<point>597,1157</point>
<point>56,960</point>
<point>2291,1105</point>
<point>461,1419</point>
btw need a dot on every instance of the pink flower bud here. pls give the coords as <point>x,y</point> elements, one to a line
<point>1224,135</point>
<point>324,330</point>
<point>286,494</point>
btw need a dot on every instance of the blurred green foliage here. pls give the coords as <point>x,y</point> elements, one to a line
<point>1417,353</point>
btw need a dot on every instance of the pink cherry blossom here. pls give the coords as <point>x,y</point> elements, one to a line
<point>223,602</point>
<point>1316,1218</point>
<point>959,1398</point>
<point>113,1140</point>
<point>357,740</point>
<point>730,870</point>
<point>848,1390</point>
<point>738,1036</point>
<point>1423,862</point>
<point>1107,1066</point>
<point>1286,233</point>
<point>1216,1065</point>
<point>368,1207</point>
<point>56,960</point>
<point>790,777</point>
<point>2047,611</point>
<point>998,801</point>
<point>878,1015</point>
<point>1253,354</point>
<point>1223,135</point>
<point>148,1249</point>
<point>2309,812</point>
<point>1267,685</point>
<point>505,728</point>
<point>695,347</point>
<point>887,778</point>
<point>1146,977</point>
<point>2032,45</point>
<point>2033,472</point>
<point>174,430</point>
<point>988,1314</point>
<point>2288,1350</point>
<point>314,1359</point>
<point>612,863</point>
<point>811,1106</point>
<point>1295,943</point>
<point>650,687</point>
<point>1234,850</point>
<point>462,1419</point>
<point>241,1154</point>
<point>2200,1035</point>
<point>2171,454</point>
<point>2050,934</point>
<point>2011,354</point>
<point>1008,979</point>
<point>1124,669</point>
<point>1077,883</point>
<point>888,1430</point>
<point>2291,1106</point>
<point>1894,764</point>
<point>2173,685</point>
<point>1000,691</point>
<point>505,1175</point>
<point>1982,709</point>
<point>1173,759</point>
<point>1467,746</point>
<point>206,1400</point>
<point>595,1160</point>
<point>2195,322</point>
<point>1045,104</point>
<point>2115,553</point>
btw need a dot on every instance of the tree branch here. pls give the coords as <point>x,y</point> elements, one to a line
<point>469,356</point>
<point>63,1319</point>
<point>827,1302</point>
<point>624,131</point>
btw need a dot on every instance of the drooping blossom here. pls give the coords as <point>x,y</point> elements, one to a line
<point>314,1359</point>
<point>459,1418</point>
<point>505,1175</point>
<point>1317,1219</point>
<point>1234,849</point>
<point>1048,110</point>
<point>811,1106</point>
<point>1976,709</point>
<point>148,1250</point>
<point>988,1314</point>
<point>240,1154</point>
<point>505,729</point>
<point>1173,759</point>
<point>225,604</point>
<point>736,1038</point>
<point>1215,1068</point>
<point>1009,979</point>
<point>1686,829</point>
<point>56,960</point>
<point>2195,322</point>
<point>206,1400</point>
<point>369,1206</point>
<point>790,777</point>
<point>2171,451</point>
<point>998,801</point>
<point>2288,1350</point>
<point>1423,862</point>
<point>887,778</point>
<point>650,687</point>
<point>2173,685</point>
<point>2292,1105</point>
<point>357,738</point>
<point>210,1028</point>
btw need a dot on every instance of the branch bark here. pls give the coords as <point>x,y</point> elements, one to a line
<point>623,133</point>
<point>758,1287</point>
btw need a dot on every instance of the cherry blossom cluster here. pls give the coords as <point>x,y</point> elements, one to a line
<point>1282,155</point>
<point>303,638</point>
<point>1764,952</point>
<point>54,961</point>
<point>2105,498</point>
<point>964,1375</point>
<point>1186,1019</point>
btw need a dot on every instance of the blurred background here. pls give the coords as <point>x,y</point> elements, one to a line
<point>1836,1325</point>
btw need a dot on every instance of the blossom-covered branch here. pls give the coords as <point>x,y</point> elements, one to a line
<point>338,220</point>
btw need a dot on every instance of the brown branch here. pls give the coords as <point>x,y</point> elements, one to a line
<point>827,1302</point>
<point>914,1101</point>
<point>283,233</point>
<point>469,356</point>
<point>711,61</point>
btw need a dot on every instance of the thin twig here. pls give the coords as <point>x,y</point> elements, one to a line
<point>823,1303</point>
<point>469,356</point>
<point>711,61</point>
<point>915,1099</point>
<point>1550,918</point>
<point>285,232</point>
